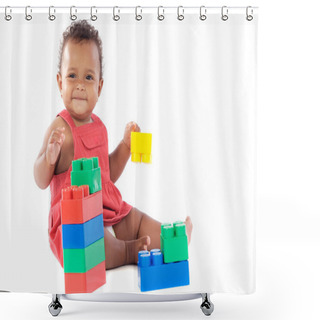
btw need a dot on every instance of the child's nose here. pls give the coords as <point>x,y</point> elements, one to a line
<point>80,86</point>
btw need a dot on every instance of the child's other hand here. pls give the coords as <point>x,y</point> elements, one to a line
<point>55,142</point>
<point>130,127</point>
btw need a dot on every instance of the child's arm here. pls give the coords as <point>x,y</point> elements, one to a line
<point>48,157</point>
<point>120,156</point>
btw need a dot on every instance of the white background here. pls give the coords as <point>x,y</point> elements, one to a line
<point>288,217</point>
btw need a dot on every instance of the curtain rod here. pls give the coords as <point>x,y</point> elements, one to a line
<point>124,7</point>
<point>118,10</point>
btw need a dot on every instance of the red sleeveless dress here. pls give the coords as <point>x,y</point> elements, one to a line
<point>90,140</point>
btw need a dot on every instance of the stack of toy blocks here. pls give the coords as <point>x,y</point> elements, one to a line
<point>168,267</point>
<point>82,229</point>
<point>141,147</point>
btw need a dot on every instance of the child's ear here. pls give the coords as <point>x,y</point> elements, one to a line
<point>59,81</point>
<point>100,87</point>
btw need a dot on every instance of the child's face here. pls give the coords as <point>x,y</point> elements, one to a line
<point>79,81</point>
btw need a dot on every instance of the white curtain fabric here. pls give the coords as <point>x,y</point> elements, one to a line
<point>192,84</point>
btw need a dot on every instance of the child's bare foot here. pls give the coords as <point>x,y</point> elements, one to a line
<point>189,227</point>
<point>134,246</point>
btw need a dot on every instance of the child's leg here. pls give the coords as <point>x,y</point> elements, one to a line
<point>114,251</point>
<point>151,227</point>
<point>138,225</point>
<point>137,231</point>
<point>120,252</point>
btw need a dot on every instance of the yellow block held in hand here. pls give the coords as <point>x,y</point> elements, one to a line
<point>141,147</point>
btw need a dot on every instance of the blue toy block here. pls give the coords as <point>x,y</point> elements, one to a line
<point>79,236</point>
<point>155,275</point>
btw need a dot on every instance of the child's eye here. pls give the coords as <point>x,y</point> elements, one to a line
<point>88,77</point>
<point>72,75</point>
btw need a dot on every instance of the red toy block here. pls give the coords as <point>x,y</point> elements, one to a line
<point>77,206</point>
<point>86,282</point>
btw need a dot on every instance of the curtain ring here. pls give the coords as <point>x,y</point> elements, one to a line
<point>249,16</point>
<point>52,16</point>
<point>116,17</point>
<point>180,15</point>
<point>73,17</point>
<point>203,13</point>
<point>94,17</point>
<point>160,16</point>
<point>138,16</point>
<point>28,16</point>
<point>224,13</point>
<point>7,16</point>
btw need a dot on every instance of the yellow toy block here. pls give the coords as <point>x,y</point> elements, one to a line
<point>141,147</point>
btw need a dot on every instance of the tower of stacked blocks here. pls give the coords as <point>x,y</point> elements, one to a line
<point>168,267</point>
<point>82,229</point>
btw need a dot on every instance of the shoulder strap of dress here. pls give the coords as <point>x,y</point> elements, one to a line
<point>64,114</point>
<point>96,119</point>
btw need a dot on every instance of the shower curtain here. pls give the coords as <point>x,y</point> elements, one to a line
<point>190,80</point>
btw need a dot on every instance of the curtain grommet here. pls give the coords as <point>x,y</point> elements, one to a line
<point>180,13</point>
<point>93,17</point>
<point>52,17</point>
<point>138,16</point>
<point>28,16</point>
<point>116,17</point>
<point>160,16</point>
<point>224,13</point>
<point>73,16</point>
<point>249,17</point>
<point>7,16</point>
<point>203,13</point>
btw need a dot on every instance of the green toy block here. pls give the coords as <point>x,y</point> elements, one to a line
<point>82,260</point>
<point>86,171</point>
<point>174,242</point>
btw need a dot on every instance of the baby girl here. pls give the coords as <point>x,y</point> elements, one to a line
<point>76,133</point>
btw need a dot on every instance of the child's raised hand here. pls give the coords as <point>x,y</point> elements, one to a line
<point>130,127</point>
<point>55,142</point>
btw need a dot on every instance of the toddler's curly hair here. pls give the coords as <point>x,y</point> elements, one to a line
<point>81,31</point>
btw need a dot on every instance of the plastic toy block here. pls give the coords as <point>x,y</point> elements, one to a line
<point>85,282</point>
<point>174,242</point>
<point>141,147</point>
<point>86,172</point>
<point>77,206</point>
<point>82,260</point>
<point>79,236</point>
<point>155,275</point>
